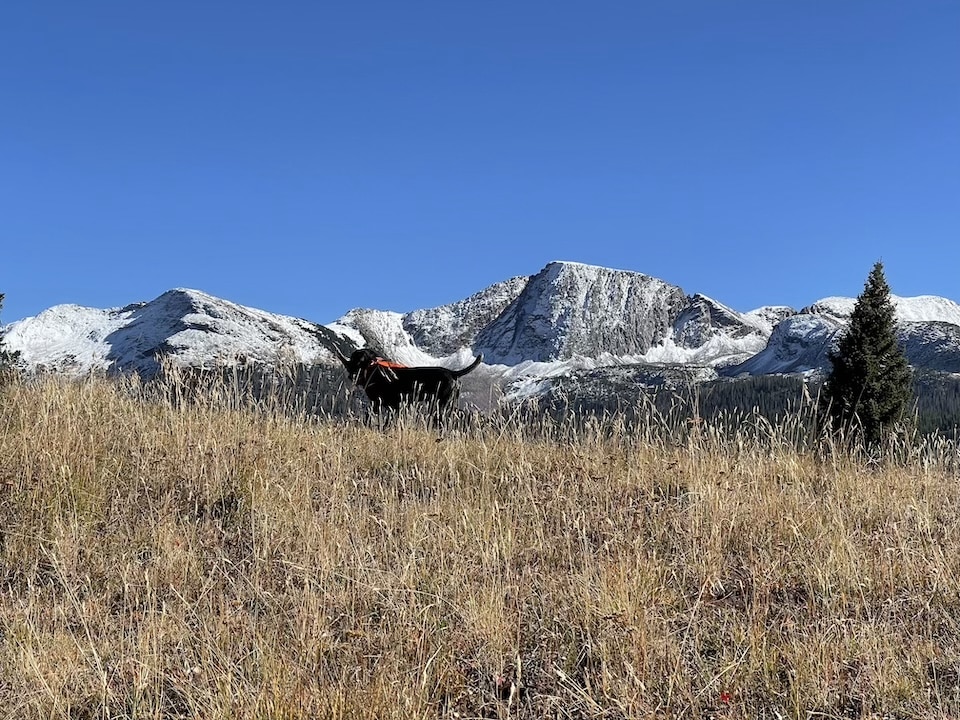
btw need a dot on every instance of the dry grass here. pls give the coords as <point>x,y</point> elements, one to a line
<point>164,560</point>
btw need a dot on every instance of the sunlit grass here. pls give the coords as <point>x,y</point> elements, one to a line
<point>162,559</point>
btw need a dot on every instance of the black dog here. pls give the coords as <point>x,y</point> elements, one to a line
<point>389,385</point>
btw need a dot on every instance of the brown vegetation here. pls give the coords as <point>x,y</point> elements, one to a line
<point>165,560</point>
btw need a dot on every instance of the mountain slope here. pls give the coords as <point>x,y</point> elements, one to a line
<point>573,309</point>
<point>187,326</point>
<point>567,311</point>
<point>928,331</point>
<point>448,328</point>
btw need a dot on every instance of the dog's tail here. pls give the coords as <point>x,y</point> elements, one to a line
<point>468,368</point>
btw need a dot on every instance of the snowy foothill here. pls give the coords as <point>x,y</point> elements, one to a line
<point>187,326</point>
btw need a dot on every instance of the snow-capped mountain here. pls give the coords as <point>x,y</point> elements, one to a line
<point>571,309</point>
<point>569,318</point>
<point>928,331</point>
<point>188,327</point>
<point>448,328</point>
<point>568,312</point>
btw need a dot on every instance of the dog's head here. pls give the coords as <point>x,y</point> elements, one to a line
<point>361,364</point>
<point>358,360</point>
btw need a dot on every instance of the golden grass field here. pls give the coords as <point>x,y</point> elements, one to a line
<point>168,560</point>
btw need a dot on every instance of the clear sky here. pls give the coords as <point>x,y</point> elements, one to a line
<point>308,157</point>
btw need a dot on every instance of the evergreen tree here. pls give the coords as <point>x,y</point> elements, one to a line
<point>869,386</point>
<point>8,360</point>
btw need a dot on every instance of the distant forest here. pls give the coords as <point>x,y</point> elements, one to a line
<point>936,399</point>
<point>324,391</point>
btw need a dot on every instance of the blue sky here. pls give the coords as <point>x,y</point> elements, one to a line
<point>310,157</point>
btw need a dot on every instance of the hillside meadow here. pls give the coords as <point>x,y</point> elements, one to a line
<point>164,559</point>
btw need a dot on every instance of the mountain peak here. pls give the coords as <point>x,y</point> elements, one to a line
<point>584,269</point>
<point>572,309</point>
<point>190,327</point>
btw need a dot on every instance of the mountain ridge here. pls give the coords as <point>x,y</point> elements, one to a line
<point>531,329</point>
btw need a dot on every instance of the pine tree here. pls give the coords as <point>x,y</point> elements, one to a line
<point>9,360</point>
<point>869,387</point>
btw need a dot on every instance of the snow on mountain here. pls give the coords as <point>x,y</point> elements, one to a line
<point>66,338</point>
<point>381,330</point>
<point>567,311</point>
<point>386,332</point>
<point>187,326</point>
<point>701,316</point>
<point>926,308</point>
<point>838,308</point>
<point>767,317</point>
<point>448,328</point>
<point>922,308</point>
<point>710,333</point>
<point>570,320</point>
<point>718,351</point>
<point>928,331</point>
<point>572,309</point>
<point>799,344</point>
<point>932,345</point>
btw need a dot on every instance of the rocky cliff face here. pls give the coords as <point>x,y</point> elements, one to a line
<point>446,329</point>
<point>571,309</point>
<point>702,318</point>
